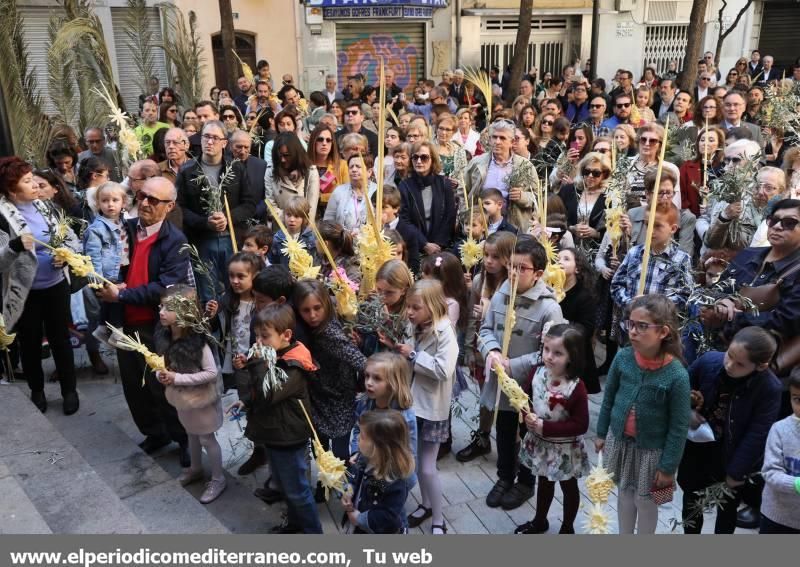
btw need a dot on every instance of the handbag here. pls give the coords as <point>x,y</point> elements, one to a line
<point>662,495</point>
<point>192,397</point>
<point>76,283</point>
<point>766,297</point>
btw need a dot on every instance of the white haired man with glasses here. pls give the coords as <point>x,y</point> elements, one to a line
<point>491,170</point>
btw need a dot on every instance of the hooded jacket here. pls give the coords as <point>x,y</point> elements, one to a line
<point>275,419</point>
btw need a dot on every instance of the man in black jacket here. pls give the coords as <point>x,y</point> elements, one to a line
<point>204,216</point>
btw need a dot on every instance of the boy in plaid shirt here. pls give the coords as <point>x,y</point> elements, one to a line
<point>669,271</point>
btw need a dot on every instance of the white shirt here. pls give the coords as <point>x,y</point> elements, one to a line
<point>496,175</point>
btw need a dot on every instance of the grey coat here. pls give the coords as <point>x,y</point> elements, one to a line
<point>18,269</point>
<point>533,309</point>
<point>520,214</point>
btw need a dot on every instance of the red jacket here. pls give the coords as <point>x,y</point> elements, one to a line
<point>691,177</point>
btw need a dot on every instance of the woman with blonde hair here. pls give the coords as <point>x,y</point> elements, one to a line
<point>466,135</point>
<point>543,130</point>
<point>453,156</point>
<point>625,139</point>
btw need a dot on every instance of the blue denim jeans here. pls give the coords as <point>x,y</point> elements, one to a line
<point>216,251</point>
<point>289,468</point>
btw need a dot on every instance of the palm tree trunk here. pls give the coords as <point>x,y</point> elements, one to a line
<point>520,49</point>
<point>228,44</point>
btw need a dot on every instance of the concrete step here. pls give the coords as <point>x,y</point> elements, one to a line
<point>149,490</point>
<point>45,483</point>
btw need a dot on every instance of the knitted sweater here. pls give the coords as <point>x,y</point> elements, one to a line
<point>781,499</point>
<point>662,406</point>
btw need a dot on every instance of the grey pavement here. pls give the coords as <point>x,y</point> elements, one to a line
<point>86,474</point>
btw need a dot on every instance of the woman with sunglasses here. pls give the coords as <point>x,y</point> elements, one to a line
<point>730,78</point>
<point>428,205</point>
<point>231,118</point>
<point>453,157</point>
<point>586,210</point>
<point>40,303</point>
<point>543,131</point>
<point>709,143</point>
<point>324,154</point>
<point>650,138</point>
<point>547,158</point>
<point>168,114</point>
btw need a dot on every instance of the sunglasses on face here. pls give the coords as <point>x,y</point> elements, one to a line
<point>648,141</point>
<point>593,172</point>
<point>351,112</point>
<point>424,158</point>
<point>623,105</point>
<point>597,106</point>
<point>733,160</point>
<point>154,201</point>
<point>324,140</point>
<point>547,123</point>
<point>786,223</point>
<point>229,117</point>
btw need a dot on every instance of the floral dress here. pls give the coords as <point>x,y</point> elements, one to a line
<point>556,458</point>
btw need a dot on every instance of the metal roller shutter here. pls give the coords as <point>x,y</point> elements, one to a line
<point>402,45</point>
<point>126,70</point>
<point>35,21</point>
<point>779,26</point>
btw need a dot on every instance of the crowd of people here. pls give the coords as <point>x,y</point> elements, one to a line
<point>691,289</point>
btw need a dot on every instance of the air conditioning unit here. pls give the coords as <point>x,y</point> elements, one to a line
<point>625,5</point>
<point>668,11</point>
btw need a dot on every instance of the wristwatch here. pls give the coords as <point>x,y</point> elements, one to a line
<point>412,356</point>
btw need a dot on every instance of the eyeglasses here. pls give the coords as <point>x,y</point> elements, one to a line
<point>733,160</point>
<point>352,112</point>
<point>648,141</point>
<point>767,187</point>
<point>440,129</point>
<point>172,110</point>
<point>521,269</point>
<point>597,106</point>
<point>705,78</point>
<point>424,158</point>
<point>623,105</point>
<point>229,117</point>
<point>210,138</point>
<point>324,140</point>
<point>593,172</point>
<point>142,197</point>
<point>787,223</point>
<point>252,117</point>
<point>640,326</point>
<point>713,107</point>
<point>547,122</point>
<point>663,195</point>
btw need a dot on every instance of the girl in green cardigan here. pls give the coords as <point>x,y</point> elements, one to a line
<point>645,413</point>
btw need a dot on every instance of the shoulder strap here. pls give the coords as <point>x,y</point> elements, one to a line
<point>790,270</point>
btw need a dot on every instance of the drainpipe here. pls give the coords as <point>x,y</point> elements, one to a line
<point>458,33</point>
<point>298,35</point>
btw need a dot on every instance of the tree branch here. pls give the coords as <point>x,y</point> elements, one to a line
<point>736,20</point>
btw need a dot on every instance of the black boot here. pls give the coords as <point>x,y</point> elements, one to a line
<point>480,445</point>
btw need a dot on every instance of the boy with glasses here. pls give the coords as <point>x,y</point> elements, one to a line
<point>535,306</point>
